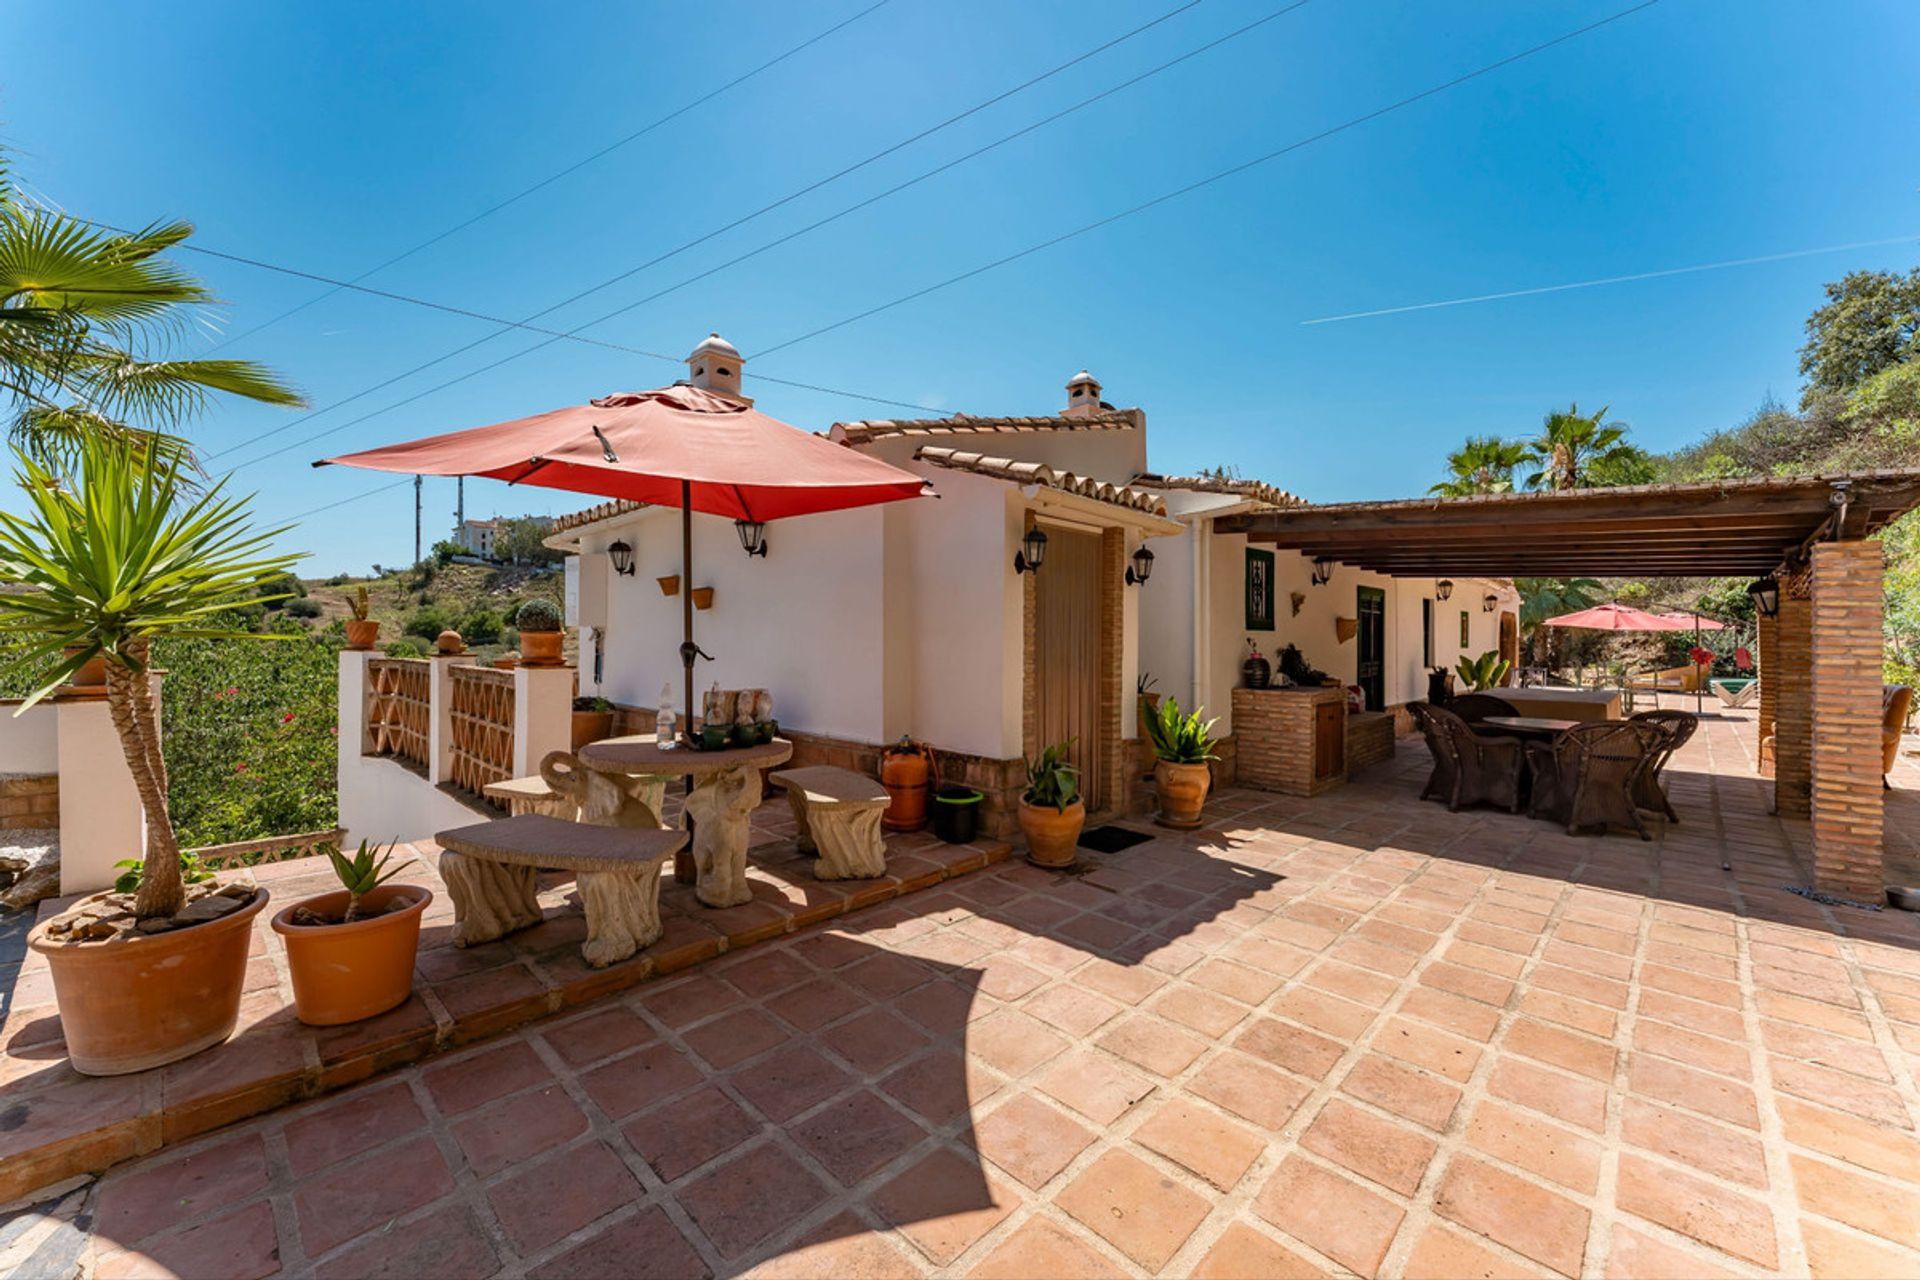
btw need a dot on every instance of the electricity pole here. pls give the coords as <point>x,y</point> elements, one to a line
<point>416,519</point>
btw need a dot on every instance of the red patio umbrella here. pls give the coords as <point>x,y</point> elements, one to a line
<point>678,446</point>
<point>1617,617</point>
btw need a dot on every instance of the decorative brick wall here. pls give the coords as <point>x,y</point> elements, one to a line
<point>1792,680</point>
<point>1113,639</point>
<point>1769,645</point>
<point>28,801</point>
<point>1274,730</point>
<point>1848,803</point>
<point>1370,737</point>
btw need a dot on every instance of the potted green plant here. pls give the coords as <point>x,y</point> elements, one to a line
<point>539,624</point>
<point>1051,811</point>
<point>1183,744</point>
<point>147,977</point>
<point>351,952</point>
<point>592,720</point>
<point>363,632</point>
<point>1488,671</point>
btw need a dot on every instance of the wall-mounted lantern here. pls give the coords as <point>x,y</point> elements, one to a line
<point>1766,597</point>
<point>1032,553</point>
<point>621,557</point>
<point>1141,568</point>
<point>753,536</point>
<point>1322,570</point>
<point>1489,603</point>
<point>1443,589</point>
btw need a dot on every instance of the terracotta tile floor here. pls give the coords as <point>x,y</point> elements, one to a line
<point>1352,1034</point>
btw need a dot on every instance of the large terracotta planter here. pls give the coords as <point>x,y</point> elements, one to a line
<point>346,972</point>
<point>540,648</point>
<point>146,1000</point>
<point>92,675</point>
<point>1182,793</point>
<point>591,726</point>
<point>1052,834</point>
<point>362,634</point>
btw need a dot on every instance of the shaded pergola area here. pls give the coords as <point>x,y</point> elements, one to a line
<point>1820,657</point>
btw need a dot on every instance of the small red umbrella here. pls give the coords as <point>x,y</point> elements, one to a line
<point>1694,621</point>
<point>1617,617</point>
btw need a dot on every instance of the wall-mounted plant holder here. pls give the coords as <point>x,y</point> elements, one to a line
<point>1296,599</point>
<point>703,597</point>
<point>669,585</point>
<point>1344,629</point>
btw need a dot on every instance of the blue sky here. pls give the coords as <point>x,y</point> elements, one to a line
<point>329,137</point>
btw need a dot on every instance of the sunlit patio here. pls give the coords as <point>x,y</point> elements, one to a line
<point>1347,1034</point>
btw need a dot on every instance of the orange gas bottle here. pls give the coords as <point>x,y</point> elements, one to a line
<point>906,771</point>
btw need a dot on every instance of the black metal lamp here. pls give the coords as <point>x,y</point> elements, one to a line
<point>1141,569</point>
<point>1322,570</point>
<point>1032,553</point>
<point>622,557</point>
<point>1489,603</point>
<point>1443,589</point>
<point>753,536</point>
<point>1766,597</point>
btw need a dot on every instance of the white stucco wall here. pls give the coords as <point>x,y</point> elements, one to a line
<point>28,740</point>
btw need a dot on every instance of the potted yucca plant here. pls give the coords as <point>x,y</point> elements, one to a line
<point>363,632</point>
<point>1181,777</point>
<point>146,977</point>
<point>1488,671</point>
<point>540,635</point>
<point>351,952</point>
<point>1051,811</point>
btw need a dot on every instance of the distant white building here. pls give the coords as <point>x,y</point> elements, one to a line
<point>476,537</point>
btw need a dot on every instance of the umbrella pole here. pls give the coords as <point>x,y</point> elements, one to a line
<point>683,865</point>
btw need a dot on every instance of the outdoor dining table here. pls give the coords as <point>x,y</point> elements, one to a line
<point>725,788</point>
<point>1531,726</point>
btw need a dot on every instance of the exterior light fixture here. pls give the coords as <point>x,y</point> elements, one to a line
<point>1489,603</point>
<point>1443,589</point>
<point>1322,570</point>
<point>622,557</point>
<point>1766,597</point>
<point>753,536</point>
<point>1032,553</point>
<point>1141,569</point>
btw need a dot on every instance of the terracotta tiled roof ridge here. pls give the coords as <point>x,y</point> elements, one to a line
<point>1039,473</point>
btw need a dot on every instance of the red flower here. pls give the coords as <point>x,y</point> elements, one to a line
<point>240,768</point>
<point>228,692</point>
<point>287,718</point>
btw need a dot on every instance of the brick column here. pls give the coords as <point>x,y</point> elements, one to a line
<point>1113,748</point>
<point>1792,679</point>
<point>1768,645</point>
<point>1848,804</point>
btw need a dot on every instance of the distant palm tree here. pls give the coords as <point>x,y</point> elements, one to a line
<point>1571,444</point>
<point>1484,464</point>
<point>83,314</point>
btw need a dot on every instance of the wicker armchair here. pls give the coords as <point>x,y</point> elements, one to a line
<point>1676,727</point>
<point>1486,768</point>
<point>1475,707</point>
<point>1896,703</point>
<point>1586,777</point>
<point>1440,781</point>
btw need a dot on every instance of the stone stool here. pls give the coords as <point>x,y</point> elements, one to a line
<point>837,814</point>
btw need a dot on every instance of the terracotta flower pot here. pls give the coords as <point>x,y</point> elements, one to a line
<point>1051,833</point>
<point>703,597</point>
<point>1182,792</point>
<point>146,1000</point>
<point>362,633</point>
<point>346,972</point>
<point>669,585</point>
<point>591,726</point>
<point>540,648</point>
<point>92,674</point>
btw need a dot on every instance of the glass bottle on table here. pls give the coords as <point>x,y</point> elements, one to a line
<point>665,719</point>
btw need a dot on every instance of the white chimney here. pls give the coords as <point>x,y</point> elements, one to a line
<point>715,366</point>
<point>1083,396</point>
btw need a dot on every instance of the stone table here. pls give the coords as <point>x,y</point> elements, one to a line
<point>725,788</point>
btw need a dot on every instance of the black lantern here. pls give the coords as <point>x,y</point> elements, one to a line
<point>622,557</point>
<point>1443,589</point>
<point>1032,553</point>
<point>1142,568</point>
<point>1322,570</point>
<point>1766,597</point>
<point>753,536</point>
<point>1489,604</point>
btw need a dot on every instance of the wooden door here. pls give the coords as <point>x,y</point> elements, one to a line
<point>1510,645</point>
<point>1329,741</point>
<point>1371,670</point>
<point>1066,641</point>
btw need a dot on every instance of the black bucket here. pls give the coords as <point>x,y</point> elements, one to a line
<point>956,813</point>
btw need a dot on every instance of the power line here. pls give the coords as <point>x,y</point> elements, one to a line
<point>813,186</point>
<point>1626,279</point>
<point>385,488</point>
<point>554,177</point>
<point>1223,174</point>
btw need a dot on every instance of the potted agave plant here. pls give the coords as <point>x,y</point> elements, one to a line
<point>1181,778</point>
<point>540,635</point>
<point>351,951</point>
<point>151,971</point>
<point>363,632</point>
<point>1051,811</point>
<point>1488,671</point>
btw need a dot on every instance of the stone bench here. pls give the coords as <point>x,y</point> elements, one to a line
<point>490,871</point>
<point>538,795</point>
<point>836,813</point>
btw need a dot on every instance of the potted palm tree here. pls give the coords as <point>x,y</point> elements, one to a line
<point>1181,777</point>
<point>1051,811</point>
<point>540,634</point>
<point>150,977</point>
<point>351,952</point>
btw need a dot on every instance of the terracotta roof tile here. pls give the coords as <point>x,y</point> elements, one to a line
<point>1257,490</point>
<point>593,515</point>
<point>961,424</point>
<point>1039,473</point>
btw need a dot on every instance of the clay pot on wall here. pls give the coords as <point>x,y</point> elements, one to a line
<point>347,972</point>
<point>703,597</point>
<point>141,1001</point>
<point>362,634</point>
<point>1182,793</point>
<point>1053,835</point>
<point>591,726</point>
<point>92,675</point>
<point>449,643</point>
<point>541,648</point>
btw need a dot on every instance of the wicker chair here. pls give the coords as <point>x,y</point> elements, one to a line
<point>1587,776</point>
<point>1475,707</point>
<point>1676,727</point>
<point>1896,703</point>
<point>1486,769</point>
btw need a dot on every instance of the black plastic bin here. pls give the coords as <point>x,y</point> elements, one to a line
<point>956,813</point>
